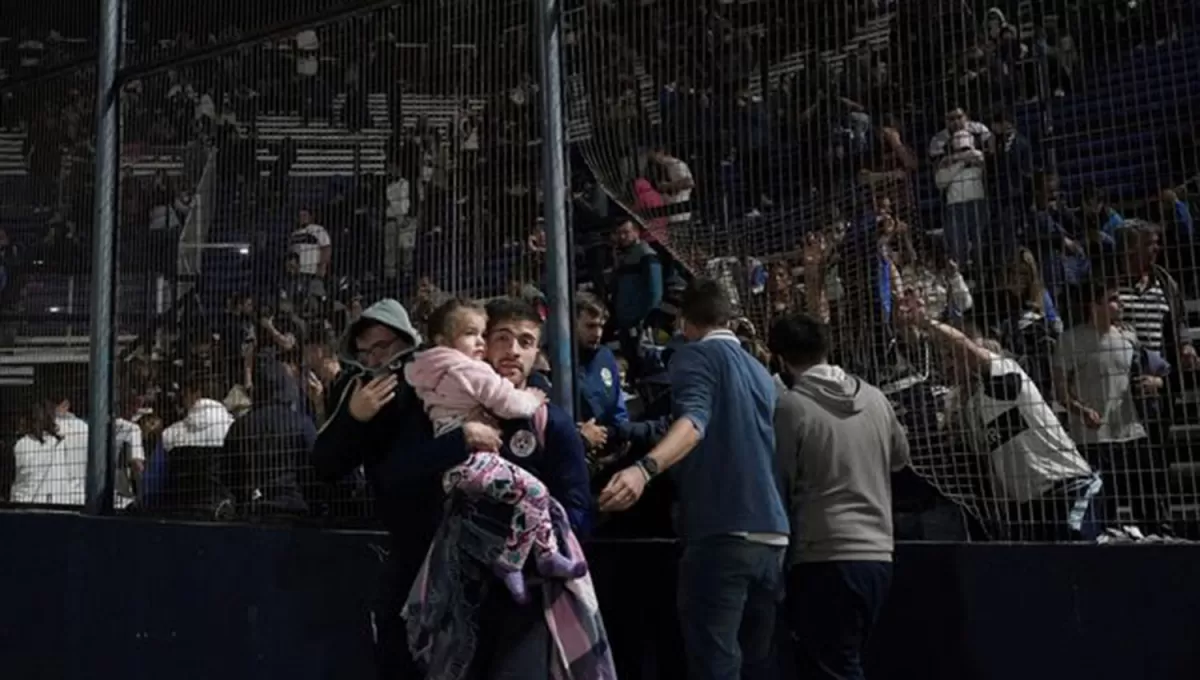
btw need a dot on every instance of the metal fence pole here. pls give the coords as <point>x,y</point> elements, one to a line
<point>99,483</point>
<point>558,243</point>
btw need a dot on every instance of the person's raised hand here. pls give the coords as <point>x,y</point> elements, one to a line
<point>481,436</point>
<point>367,400</point>
<point>1091,418</point>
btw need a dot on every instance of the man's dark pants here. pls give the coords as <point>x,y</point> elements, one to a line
<point>392,658</point>
<point>832,607</point>
<point>729,590</point>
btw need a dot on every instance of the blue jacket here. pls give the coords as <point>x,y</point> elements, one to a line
<point>727,483</point>
<point>278,419</point>
<point>598,378</point>
<point>637,284</point>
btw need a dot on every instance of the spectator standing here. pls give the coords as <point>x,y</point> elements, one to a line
<point>733,523</point>
<point>637,288</point>
<point>310,241</point>
<point>1150,298</point>
<point>1010,179</point>
<point>598,377</point>
<point>838,441</point>
<point>960,179</point>
<point>1101,372</point>
<point>371,411</point>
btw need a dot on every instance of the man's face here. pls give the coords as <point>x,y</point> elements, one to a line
<point>589,328</point>
<point>512,348</point>
<point>1001,127</point>
<point>293,265</point>
<point>377,345</point>
<point>956,119</point>
<point>626,235</point>
<point>305,218</point>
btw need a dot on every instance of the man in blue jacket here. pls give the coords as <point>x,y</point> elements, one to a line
<point>514,641</point>
<point>377,422</point>
<point>732,519</point>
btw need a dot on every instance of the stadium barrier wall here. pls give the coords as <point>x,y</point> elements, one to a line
<point>101,598</point>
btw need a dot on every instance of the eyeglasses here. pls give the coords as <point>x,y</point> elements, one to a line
<point>378,350</point>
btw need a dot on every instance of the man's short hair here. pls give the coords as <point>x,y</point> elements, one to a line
<point>508,309</point>
<point>799,339</point>
<point>589,304</point>
<point>706,304</point>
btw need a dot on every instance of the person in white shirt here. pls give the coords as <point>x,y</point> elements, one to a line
<point>310,241</point>
<point>1046,486</point>
<point>51,458</point>
<point>400,229</point>
<point>1101,372</point>
<point>131,457</point>
<point>679,183</point>
<point>960,179</point>
<point>207,420</point>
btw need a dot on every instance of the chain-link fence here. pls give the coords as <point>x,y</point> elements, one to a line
<point>1006,169</point>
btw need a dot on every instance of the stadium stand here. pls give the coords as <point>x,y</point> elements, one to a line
<point>424,181</point>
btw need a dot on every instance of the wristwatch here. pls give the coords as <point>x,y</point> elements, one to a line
<point>649,466</point>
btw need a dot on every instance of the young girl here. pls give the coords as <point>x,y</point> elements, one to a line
<point>456,385</point>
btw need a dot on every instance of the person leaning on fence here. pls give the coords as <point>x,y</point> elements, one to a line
<point>733,522</point>
<point>371,410</point>
<point>1049,488</point>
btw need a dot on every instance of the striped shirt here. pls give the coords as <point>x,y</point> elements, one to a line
<point>1146,309</point>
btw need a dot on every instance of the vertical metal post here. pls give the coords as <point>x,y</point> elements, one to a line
<point>102,357</point>
<point>561,345</point>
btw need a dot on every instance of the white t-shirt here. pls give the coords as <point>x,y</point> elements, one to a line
<point>307,48</point>
<point>126,433</point>
<point>1028,447</point>
<point>677,170</point>
<point>1098,367</point>
<point>307,242</point>
<point>52,471</point>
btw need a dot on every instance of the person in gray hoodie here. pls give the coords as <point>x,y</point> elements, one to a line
<point>837,442</point>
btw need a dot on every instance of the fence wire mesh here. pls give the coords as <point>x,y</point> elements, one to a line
<point>1022,171</point>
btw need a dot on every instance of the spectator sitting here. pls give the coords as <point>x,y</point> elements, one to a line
<point>39,460</point>
<point>1100,219</point>
<point>637,288</point>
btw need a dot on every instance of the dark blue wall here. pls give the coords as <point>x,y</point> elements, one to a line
<point>102,598</point>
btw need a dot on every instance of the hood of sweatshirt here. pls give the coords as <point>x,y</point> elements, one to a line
<point>388,312</point>
<point>429,366</point>
<point>832,388</point>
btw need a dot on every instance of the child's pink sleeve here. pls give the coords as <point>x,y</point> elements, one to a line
<point>495,393</point>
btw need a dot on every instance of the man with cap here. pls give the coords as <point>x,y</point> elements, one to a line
<point>370,408</point>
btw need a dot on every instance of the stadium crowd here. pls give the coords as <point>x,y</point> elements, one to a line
<point>1002,366</point>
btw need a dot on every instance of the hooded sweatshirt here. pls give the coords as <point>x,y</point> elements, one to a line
<point>454,386</point>
<point>838,441</point>
<point>204,426</point>
<point>401,458</point>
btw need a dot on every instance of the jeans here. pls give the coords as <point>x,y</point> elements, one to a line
<point>729,589</point>
<point>832,607</point>
<point>514,642</point>
<point>966,225</point>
